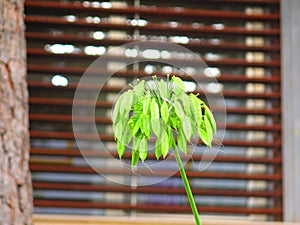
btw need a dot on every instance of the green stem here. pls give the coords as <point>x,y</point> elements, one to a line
<point>187,187</point>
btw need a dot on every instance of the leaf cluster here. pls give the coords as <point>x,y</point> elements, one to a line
<point>162,109</point>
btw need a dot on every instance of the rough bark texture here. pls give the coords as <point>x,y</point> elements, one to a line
<point>15,182</point>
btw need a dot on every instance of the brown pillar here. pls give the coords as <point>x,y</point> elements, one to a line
<point>15,182</point>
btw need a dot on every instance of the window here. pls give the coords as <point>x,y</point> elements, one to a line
<point>240,42</point>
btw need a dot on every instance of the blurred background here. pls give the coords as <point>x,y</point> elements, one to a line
<point>239,40</point>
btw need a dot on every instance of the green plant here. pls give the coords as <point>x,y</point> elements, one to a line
<point>164,109</point>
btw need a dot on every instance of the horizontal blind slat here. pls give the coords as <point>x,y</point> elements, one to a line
<point>181,29</point>
<point>69,38</point>
<point>106,120</point>
<point>222,62</point>
<point>56,167</point>
<point>106,104</point>
<point>127,155</point>
<point>153,208</point>
<point>105,137</point>
<point>158,11</point>
<point>130,73</point>
<point>150,190</point>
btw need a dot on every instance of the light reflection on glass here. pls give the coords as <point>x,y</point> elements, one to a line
<point>59,80</point>
<point>94,19</point>
<point>106,5</point>
<point>60,48</point>
<point>149,69</point>
<point>86,4</point>
<point>213,87</point>
<point>212,56</point>
<point>215,41</point>
<point>212,72</point>
<point>89,19</point>
<point>196,25</point>
<point>143,38</point>
<point>218,26</point>
<point>140,22</point>
<point>151,54</point>
<point>167,69</point>
<point>189,86</point>
<point>133,22</point>
<point>96,4</point>
<point>131,53</point>
<point>164,54</point>
<point>70,18</point>
<point>190,70</point>
<point>94,50</point>
<point>98,35</point>
<point>173,24</point>
<point>180,39</point>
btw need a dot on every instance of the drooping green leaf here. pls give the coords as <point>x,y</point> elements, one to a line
<point>210,117</point>
<point>194,127</point>
<point>178,82</point>
<point>119,129</point>
<point>136,143</point>
<point>172,142</point>
<point>165,144</point>
<point>177,92</point>
<point>116,112</point>
<point>204,135</point>
<point>146,104</point>
<point>163,91</point>
<point>158,153</point>
<point>182,142</point>
<point>143,149</point>
<point>186,103</point>
<point>140,89</point>
<point>146,130</point>
<point>132,121</point>
<point>164,112</point>
<point>208,127</point>
<point>138,107</point>
<point>127,136</point>
<point>179,110</point>
<point>156,126</point>
<point>187,128</point>
<point>154,109</point>
<point>174,121</point>
<point>121,149</point>
<point>196,109</point>
<point>136,127</point>
<point>134,157</point>
<point>123,106</point>
<point>128,101</point>
<point>188,111</point>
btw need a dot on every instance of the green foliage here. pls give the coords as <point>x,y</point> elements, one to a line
<point>162,109</point>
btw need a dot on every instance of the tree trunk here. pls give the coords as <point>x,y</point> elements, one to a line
<point>15,182</point>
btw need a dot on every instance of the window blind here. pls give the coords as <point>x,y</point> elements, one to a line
<point>239,40</point>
